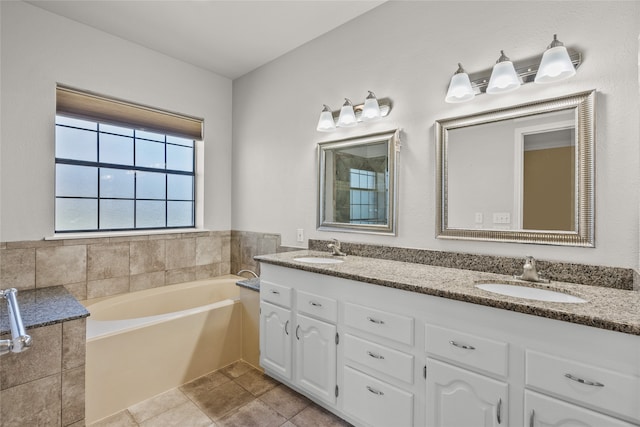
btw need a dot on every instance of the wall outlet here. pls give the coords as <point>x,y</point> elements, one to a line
<point>479,218</point>
<point>300,235</point>
<point>501,218</point>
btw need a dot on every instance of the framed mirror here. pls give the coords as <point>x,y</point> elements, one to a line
<point>519,174</point>
<point>357,184</point>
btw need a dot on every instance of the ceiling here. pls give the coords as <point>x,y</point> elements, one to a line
<point>230,38</point>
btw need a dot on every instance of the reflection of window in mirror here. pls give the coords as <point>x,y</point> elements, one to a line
<point>357,184</point>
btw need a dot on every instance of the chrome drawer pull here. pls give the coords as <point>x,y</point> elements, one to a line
<point>285,328</point>
<point>374,391</point>
<point>315,304</point>
<point>375,355</point>
<point>297,329</point>
<point>499,411</point>
<point>275,292</point>
<point>466,347</point>
<point>376,321</point>
<point>585,382</point>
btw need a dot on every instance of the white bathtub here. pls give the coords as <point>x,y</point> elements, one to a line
<point>144,343</point>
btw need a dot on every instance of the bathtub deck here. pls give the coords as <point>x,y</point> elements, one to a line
<point>237,395</point>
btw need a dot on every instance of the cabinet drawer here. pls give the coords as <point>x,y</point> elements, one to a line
<point>277,294</point>
<point>382,323</point>
<point>470,350</point>
<point>318,306</point>
<point>383,359</point>
<point>581,383</point>
<point>376,402</point>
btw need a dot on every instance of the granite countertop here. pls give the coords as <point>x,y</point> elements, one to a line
<point>253,284</point>
<point>606,308</point>
<point>43,307</point>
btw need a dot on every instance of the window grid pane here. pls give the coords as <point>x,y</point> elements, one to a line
<point>115,178</point>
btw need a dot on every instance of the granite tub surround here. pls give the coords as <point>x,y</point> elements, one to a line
<point>611,277</point>
<point>105,266</point>
<point>606,308</point>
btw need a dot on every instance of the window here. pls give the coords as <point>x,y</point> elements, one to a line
<point>119,178</point>
<point>365,205</point>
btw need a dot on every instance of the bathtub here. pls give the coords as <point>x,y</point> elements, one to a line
<point>144,343</point>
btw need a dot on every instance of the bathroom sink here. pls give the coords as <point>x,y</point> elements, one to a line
<point>319,260</point>
<point>526,292</point>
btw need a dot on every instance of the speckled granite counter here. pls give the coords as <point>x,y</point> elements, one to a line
<point>606,308</point>
<point>43,307</point>
<point>252,284</point>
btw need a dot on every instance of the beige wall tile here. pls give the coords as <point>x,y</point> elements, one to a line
<point>208,250</point>
<point>105,261</point>
<point>36,403</point>
<point>74,343</point>
<point>181,253</point>
<point>43,359</point>
<point>140,282</point>
<point>61,265</point>
<point>147,256</point>
<point>207,271</point>
<point>106,287</point>
<point>78,290</point>
<point>26,244</point>
<point>72,395</point>
<point>18,268</point>
<point>180,275</point>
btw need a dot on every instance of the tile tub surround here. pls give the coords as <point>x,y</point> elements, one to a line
<point>45,384</point>
<point>606,308</point>
<point>247,244</point>
<point>99,267</point>
<point>611,277</point>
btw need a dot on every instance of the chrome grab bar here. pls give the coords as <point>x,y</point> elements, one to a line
<point>19,341</point>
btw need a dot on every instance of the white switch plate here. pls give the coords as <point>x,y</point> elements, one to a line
<point>501,218</point>
<point>300,235</point>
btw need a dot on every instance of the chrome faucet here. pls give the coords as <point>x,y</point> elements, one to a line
<point>529,272</point>
<point>335,248</point>
<point>247,271</point>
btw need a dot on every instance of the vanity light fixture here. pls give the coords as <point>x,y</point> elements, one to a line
<point>503,76</point>
<point>350,115</point>
<point>555,64</point>
<point>347,115</point>
<point>460,89</point>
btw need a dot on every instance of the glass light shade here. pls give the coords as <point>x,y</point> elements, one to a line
<point>371,109</point>
<point>326,123</point>
<point>555,66</point>
<point>459,89</point>
<point>503,78</point>
<point>347,115</point>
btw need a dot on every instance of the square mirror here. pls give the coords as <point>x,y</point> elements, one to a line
<point>357,184</point>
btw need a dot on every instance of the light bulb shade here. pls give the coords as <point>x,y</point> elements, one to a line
<point>503,78</point>
<point>326,123</point>
<point>347,116</point>
<point>555,66</point>
<point>371,109</point>
<point>460,89</point>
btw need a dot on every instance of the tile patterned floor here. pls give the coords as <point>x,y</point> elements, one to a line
<point>235,396</point>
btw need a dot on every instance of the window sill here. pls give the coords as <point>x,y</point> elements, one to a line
<point>128,233</point>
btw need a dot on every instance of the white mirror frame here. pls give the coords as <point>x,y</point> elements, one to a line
<point>393,147</point>
<point>584,236</point>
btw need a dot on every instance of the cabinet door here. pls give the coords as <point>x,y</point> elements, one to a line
<point>275,339</point>
<point>544,411</point>
<point>316,357</point>
<point>460,398</point>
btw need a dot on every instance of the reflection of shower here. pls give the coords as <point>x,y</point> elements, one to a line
<point>19,341</point>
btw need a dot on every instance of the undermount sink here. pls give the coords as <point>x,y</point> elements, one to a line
<point>526,292</point>
<point>318,260</point>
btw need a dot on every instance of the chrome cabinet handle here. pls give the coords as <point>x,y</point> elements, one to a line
<point>297,329</point>
<point>499,412</point>
<point>286,325</point>
<point>466,347</point>
<point>315,304</point>
<point>533,413</point>
<point>374,391</point>
<point>275,292</point>
<point>585,382</point>
<point>375,355</point>
<point>376,321</point>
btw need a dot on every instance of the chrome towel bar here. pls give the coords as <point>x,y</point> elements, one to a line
<point>19,341</point>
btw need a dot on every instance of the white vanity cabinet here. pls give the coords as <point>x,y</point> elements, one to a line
<point>362,350</point>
